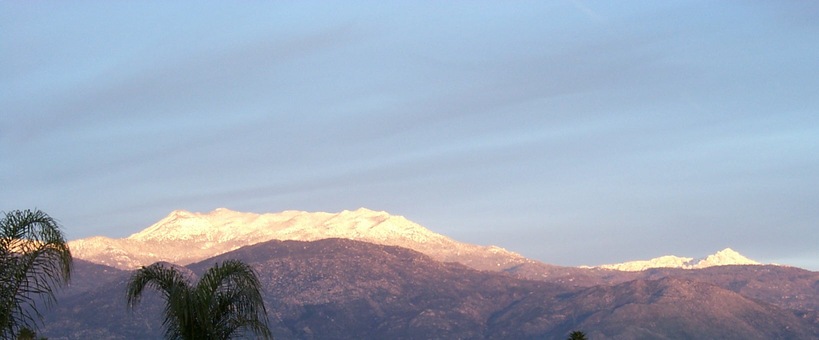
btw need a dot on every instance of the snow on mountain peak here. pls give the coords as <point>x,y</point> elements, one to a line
<point>179,224</point>
<point>723,257</point>
<point>224,225</point>
<point>183,237</point>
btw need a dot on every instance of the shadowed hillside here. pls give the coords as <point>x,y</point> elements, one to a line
<point>338,288</point>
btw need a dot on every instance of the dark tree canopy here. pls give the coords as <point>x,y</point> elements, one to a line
<point>577,335</point>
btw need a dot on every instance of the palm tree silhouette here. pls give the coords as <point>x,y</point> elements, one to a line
<point>577,335</point>
<point>34,262</point>
<point>225,302</point>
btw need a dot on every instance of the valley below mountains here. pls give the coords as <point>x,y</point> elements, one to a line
<point>371,275</point>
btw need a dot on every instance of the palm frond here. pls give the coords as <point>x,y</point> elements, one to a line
<point>173,287</point>
<point>225,301</point>
<point>233,292</point>
<point>159,276</point>
<point>35,262</point>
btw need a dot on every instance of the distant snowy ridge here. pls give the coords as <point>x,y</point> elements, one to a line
<point>725,257</point>
<point>185,237</point>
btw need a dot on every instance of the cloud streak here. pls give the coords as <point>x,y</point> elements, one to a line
<point>626,129</point>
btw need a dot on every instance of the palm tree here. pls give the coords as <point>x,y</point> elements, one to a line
<point>577,335</point>
<point>225,302</point>
<point>34,262</point>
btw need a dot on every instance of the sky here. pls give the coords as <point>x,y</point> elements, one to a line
<point>572,132</point>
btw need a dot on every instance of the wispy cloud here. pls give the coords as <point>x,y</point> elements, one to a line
<point>629,128</point>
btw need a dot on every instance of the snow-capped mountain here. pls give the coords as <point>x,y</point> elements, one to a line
<point>723,257</point>
<point>185,237</point>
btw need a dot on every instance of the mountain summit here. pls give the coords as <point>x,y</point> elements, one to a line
<point>725,257</point>
<point>184,237</point>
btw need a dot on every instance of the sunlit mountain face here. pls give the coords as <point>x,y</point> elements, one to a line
<point>184,237</point>
<point>370,275</point>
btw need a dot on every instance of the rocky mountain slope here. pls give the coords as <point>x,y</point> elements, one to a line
<point>783,286</point>
<point>368,274</point>
<point>344,289</point>
<point>184,237</point>
<point>669,308</point>
<point>725,257</point>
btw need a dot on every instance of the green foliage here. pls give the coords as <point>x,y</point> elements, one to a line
<point>226,301</point>
<point>34,262</point>
<point>28,334</point>
<point>577,335</point>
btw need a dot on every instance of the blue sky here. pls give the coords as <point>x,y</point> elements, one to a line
<point>573,132</point>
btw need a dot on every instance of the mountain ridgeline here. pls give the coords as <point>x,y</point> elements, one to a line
<point>370,275</point>
<point>184,237</point>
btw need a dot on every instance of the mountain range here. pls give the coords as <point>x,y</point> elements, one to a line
<point>203,235</point>
<point>366,274</point>
<point>185,237</point>
<point>723,257</point>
